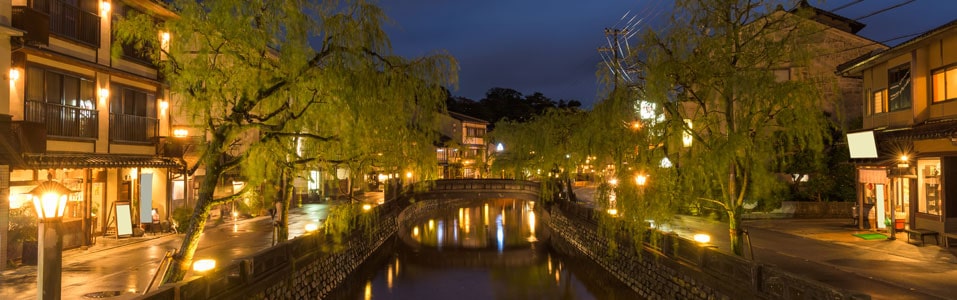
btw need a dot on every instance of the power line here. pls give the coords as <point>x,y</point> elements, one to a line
<point>885,9</point>
<point>846,5</point>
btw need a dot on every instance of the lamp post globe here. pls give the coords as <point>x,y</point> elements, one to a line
<point>49,200</point>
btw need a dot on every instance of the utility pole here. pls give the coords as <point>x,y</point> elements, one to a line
<point>615,53</point>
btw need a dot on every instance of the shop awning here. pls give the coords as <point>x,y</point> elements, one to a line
<point>92,160</point>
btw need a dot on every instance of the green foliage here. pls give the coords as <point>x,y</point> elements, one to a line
<point>181,217</point>
<point>715,67</point>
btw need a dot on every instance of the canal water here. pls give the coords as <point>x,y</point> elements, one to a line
<point>492,250</point>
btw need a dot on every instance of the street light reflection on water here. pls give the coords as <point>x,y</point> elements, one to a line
<point>508,256</point>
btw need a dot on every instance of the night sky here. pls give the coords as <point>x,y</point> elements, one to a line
<point>551,46</point>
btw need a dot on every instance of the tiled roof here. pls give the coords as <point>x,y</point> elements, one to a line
<point>91,160</point>
<point>928,130</point>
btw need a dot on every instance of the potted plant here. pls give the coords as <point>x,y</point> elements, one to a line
<point>22,235</point>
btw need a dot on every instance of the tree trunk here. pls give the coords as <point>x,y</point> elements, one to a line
<point>285,194</point>
<point>734,226</point>
<point>183,259</point>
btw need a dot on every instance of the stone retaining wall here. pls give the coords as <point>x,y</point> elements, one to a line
<point>302,268</point>
<point>807,210</point>
<point>665,266</point>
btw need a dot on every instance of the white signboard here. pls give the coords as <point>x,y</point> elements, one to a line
<point>124,221</point>
<point>862,144</point>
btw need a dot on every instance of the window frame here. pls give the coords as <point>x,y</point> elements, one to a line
<point>118,94</point>
<point>924,174</point>
<point>875,104</point>
<point>904,91</point>
<point>933,84</point>
<point>63,76</point>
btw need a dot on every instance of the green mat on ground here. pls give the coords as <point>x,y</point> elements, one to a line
<point>870,236</point>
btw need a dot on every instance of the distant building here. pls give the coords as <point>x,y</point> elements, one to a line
<point>909,94</point>
<point>462,149</point>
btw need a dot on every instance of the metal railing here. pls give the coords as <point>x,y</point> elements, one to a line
<point>62,120</point>
<point>70,21</point>
<point>130,128</point>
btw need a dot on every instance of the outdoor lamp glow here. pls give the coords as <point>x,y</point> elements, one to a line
<point>702,238</point>
<point>180,132</point>
<point>14,74</point>
<point>366,207</point>
<point>49,200</point>
<point>903,158</point>
<point>105,8</point>
<point>641,179</point>
<point>311,227</point>
<point>204,265</point>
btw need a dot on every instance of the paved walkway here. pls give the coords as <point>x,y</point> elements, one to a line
<point>827,250</point>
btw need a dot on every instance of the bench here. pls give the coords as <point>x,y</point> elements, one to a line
<point>947,237</point>
<point>915,233</point>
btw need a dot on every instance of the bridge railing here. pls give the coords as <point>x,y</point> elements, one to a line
<point>484,184</point>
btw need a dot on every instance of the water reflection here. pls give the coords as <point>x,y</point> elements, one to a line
<point>513,227</point>
<point>504,256</point>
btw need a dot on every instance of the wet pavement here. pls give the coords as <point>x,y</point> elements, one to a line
<point>125,266</point>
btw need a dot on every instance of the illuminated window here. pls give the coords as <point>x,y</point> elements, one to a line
<point>929,187</point>
<point>945,84</point>
<point>877,102</point>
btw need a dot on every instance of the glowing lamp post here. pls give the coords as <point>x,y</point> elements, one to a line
<point>49,199</point>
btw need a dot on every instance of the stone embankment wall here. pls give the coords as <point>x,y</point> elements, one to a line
<point>307,267</point>
<point>665,266</point>
<point>807,210</point>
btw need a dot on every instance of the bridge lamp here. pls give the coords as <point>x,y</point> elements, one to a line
<point>204,265</point>
<point>702,238</point>
<point>311,227</point>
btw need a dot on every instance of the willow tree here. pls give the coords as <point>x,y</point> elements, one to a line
<point>543,147</point>
<point>716,70</point>
<point>286,83</point>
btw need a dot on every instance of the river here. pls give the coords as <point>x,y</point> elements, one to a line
<point>492,250</point>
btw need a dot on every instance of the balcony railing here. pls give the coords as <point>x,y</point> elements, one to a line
<point>69,21</point>
<point>133,129</point>
<point>62,120</point>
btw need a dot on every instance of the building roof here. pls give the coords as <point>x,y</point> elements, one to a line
<point>933,129</point>
<point>831,19</point>
<point>464,118</point>
<point>857,65</point>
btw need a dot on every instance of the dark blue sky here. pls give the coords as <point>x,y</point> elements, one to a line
<point>550,46</point>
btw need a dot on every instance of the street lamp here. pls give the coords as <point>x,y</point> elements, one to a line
<point>49,200</point>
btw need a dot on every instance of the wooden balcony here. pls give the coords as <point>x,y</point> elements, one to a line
<point>133,129</point>
<point>62,120</point>
<point>35,22</point>
<point>64,19</point>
